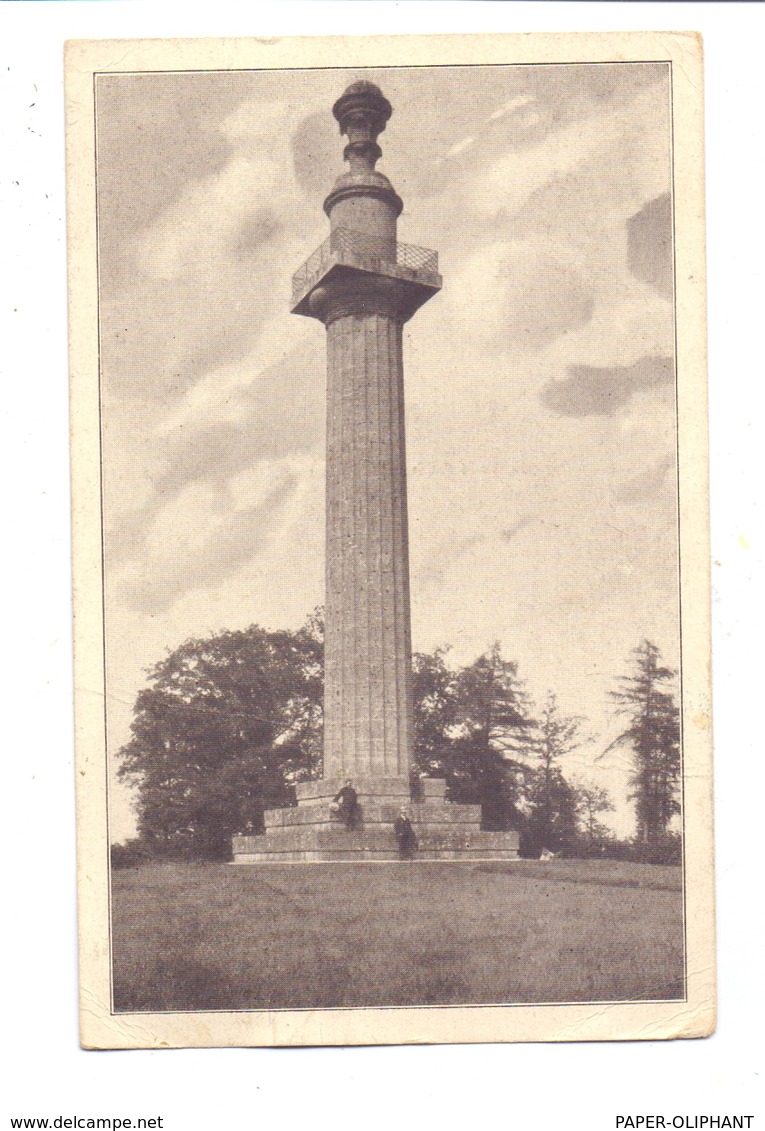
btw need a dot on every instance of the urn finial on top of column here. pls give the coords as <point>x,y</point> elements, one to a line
<point>362,112</point>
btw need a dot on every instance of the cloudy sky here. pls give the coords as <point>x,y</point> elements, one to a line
<point>539,383</point>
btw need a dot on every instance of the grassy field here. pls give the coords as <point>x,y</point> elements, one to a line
<point>190,937</point>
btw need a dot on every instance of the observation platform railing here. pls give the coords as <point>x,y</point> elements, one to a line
<point>361,250</point>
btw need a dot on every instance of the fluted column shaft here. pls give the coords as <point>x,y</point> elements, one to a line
<point>368,693</point>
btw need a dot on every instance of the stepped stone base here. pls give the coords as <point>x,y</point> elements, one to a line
<point>307,831</point>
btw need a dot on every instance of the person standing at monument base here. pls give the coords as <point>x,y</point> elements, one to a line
<point>345,804</point>
<point>407,841</point>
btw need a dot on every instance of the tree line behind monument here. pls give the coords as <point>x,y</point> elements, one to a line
<point>228,724</point>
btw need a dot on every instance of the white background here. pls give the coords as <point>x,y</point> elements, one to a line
<point>576,1086</point>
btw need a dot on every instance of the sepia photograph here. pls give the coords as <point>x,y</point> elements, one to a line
<point>390,522</point>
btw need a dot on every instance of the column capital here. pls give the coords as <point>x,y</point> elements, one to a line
<point>363,293</point>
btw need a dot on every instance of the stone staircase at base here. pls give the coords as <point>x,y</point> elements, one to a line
<point>307,832</point>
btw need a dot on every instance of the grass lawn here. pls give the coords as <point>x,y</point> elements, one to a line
<point>194,937</point>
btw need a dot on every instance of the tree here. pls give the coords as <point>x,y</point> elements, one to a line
<point>645,697</point>
<point>592,800</point>
<point>551,820</point>
<point>435,707</point>
<point>492,726</point>
<point>225,727</point>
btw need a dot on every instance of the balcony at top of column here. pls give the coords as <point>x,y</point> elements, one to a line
<point>351,256</point>
<point>362,255</point>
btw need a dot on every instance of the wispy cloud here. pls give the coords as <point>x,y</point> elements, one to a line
<point>460,147</point>
<point>510,107</point>
<point>258,424</point>
<point>591,391</point>
<point>512,531</point>
<point>199,558</point>
<point>638,488</point>
<point>649,244</point>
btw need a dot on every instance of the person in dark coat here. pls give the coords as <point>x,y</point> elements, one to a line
<point>407,841</point>
<point>346,802</point>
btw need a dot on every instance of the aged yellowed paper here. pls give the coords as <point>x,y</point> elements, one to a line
<point>390,539</point>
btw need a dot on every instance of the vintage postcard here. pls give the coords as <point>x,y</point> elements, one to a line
<point>389,448</point>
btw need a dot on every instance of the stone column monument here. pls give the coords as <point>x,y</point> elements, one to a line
<point>364,285</point>
<point>367,289</point>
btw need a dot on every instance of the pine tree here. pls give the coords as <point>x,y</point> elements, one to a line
<point>646,698</point>
<point>492,725</point>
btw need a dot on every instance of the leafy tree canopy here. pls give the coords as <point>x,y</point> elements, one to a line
<point>435,712</point>
<point>229,723</point>
<point>551,819</point>
<point>224,727</point>
<point>592,800</point>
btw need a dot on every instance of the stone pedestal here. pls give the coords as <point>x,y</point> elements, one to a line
<point>306,832</point>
